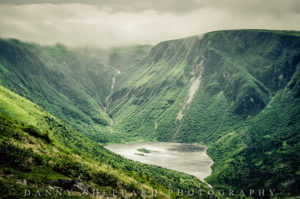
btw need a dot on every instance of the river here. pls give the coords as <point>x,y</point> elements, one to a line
<point>187,158</point>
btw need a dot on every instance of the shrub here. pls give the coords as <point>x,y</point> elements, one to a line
<point>16,157</point>
<point>32,130</point>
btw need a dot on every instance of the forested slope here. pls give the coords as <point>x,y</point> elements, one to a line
<point>235,91</point>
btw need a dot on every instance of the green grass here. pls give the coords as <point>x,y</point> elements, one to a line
<point>65,154</point>
<point>247,73</point>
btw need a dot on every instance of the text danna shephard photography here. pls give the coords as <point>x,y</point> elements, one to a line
<point>256,193</point>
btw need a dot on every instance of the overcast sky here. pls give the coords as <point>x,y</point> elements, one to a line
<point>123,22</point>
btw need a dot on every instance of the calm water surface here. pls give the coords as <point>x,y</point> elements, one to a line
<point>188,158</point>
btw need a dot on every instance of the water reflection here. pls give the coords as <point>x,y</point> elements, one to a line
<point>188,158</point>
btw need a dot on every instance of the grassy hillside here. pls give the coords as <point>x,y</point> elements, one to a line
<point>247,108</point>
<point>235,91</point>
<point>56,79</point>
<point>40,153</point>
<point>71,84</point>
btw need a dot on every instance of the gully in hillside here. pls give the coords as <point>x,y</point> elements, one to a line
<point>108,98</point>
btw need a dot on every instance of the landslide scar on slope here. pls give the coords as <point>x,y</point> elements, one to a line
<point>189,97</point>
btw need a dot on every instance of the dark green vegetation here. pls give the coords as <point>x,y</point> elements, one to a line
<point>143,150</point>
<point>246,108</point>
<point>237,92</point>
<point>38,151</point>
<point>71,84</point>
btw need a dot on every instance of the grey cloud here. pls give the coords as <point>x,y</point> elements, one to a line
<point>91,24</point>
<point>257,6</point>
<point>175,6</point>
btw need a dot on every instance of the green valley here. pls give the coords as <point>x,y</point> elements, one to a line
<point>235,91</point>
<point>43,157</point>
<point>244,106</point>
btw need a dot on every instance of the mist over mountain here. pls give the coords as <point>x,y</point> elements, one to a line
<point>113,23</point>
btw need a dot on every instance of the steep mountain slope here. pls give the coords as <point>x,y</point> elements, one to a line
<point>42,157</point>
<point>235,91</point>
<point>57,80</point>
<point>72,84</point>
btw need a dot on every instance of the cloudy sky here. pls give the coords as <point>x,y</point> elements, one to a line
<point>123,22</point>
